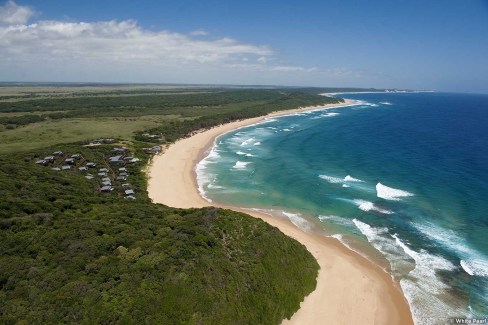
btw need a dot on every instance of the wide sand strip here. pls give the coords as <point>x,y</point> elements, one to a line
<point>350,289</point>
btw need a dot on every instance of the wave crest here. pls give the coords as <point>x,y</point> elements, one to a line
<point>370,206</point>
<point>331,179</point>
<point>349,178</point>
<point>247,142</point>
<point>241,165</point>
<point>297,220</point>
<point>390,193</point>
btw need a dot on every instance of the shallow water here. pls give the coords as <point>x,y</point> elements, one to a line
<point>404,173</point>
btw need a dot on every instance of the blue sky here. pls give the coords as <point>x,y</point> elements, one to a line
<point>438,45</point>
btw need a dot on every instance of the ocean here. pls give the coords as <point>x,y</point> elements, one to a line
<point>401,178</point>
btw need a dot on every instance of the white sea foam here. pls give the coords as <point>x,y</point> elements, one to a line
<point>268,120</point>
<point>370,206</point>
<point>423,289</point>
<point>346,181</point>
<point>241,153</point>
<point>297,220</point>
<point>365,103</point>
<point>426,263</point>
<point>322,218</point>
<point>381,239</point>
<point>212,155</point>
<point>203,178</point>
<point>330,114</point>
<point>241,165</point>
<point>247,142</point>
<point>472,261</point>
<point>371,233</point>
<point>426,308</point>
<point>475,267</point>
<point>336,220</point>
<point>386,103</point>
<point>331,179</point>
<point>378,237</point>
<point>213,186</point>
<point>340,237</point>
<point>349,178</point>
<point>467,267</point>
<point>286,130</point>
<point>257,143</point>
<point>421,286</point>
<point>389,193</point>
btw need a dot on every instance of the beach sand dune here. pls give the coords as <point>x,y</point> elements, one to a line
<point>350,289</point>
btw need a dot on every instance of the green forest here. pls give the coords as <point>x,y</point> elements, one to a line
<point>70,253</point>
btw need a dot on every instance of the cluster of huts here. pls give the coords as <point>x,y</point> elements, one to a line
<point>100,141</point>
<point>67,161</point>
<point>153,150</point>
<point>114,170</point>
<point>152,136</point>
<point>121,177</point>
<point>121,157</point>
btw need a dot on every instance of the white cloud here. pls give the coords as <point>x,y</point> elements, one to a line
<point>292,68</point>
<point>12,14</point>
<point>124,51</point>
<point>199,32</point>
<point>110,41</point>
<point>116,40</point>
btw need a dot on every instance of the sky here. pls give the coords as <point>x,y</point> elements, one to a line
<point>429,45</point>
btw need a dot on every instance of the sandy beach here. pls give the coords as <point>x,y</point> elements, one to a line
<point>350,289</point>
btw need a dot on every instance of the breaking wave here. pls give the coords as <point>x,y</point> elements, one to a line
<point>389,193</point>
<point>331,179</point>
<point>338,180</point>
<point>297,220</point>
<point>349,178</point>
<point>471,261</point>
<point>330,114</point>
<point>247,142</point>
<point>421,286</point>
<point>241,153</point>
<point>241,165</point>
<point>370,206</point>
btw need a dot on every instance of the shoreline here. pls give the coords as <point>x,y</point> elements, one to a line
<point>350,288</point>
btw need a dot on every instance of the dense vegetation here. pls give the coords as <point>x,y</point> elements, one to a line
<point>36,123</point>
<point>71,254</point>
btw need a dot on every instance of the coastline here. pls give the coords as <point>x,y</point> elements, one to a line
<point>349,288</point>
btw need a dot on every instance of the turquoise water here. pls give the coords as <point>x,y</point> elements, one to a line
<point>405,174</point>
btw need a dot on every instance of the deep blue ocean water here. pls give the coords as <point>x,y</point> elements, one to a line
<point>401,177</point>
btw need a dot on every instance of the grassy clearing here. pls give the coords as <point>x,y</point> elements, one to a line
<point>11,114</point>
<point>49,133</point>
